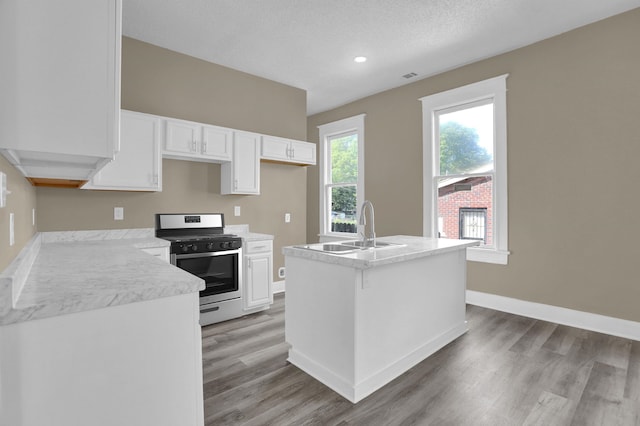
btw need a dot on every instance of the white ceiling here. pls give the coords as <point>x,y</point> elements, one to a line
<point>310,44</point>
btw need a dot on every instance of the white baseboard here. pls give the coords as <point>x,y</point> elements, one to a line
<point>585,320</point>
<point>278,287</point>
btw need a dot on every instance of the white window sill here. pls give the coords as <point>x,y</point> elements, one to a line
<point>485,255</point>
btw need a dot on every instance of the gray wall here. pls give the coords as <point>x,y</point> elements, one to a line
<point>573,106</point>
<point>159,81</point>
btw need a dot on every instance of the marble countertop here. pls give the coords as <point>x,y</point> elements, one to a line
<point>60,273</point>
<point>243,232</point>
<point>409,247</point>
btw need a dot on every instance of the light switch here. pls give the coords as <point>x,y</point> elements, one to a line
<point>12,236</point>
<point>287,217</point>
<point>236,211</point>
<point>3,189</point>
<point>118,213</point>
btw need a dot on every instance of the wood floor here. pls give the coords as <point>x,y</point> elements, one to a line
<point>507,370</point>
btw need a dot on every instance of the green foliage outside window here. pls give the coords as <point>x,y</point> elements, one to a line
<point>459,149</point>
<point>344,169</point>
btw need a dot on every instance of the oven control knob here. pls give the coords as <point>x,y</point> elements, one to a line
<point>184,247</point>
<point>194,247</point>
<point>210,246</point>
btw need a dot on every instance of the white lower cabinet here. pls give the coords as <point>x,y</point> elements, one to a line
<point>258,273</point>
<point>138,165</point>
<point>242,174</point>
<point>133,364</point>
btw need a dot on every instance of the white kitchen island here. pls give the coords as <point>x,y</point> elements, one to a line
<point>355,321</point>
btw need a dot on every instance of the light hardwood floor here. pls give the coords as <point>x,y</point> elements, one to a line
<point>507,370</point>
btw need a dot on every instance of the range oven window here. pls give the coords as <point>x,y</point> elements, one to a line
<point>218,272</point>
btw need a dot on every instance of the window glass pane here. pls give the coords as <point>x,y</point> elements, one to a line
<point>343,209</point>
<point>344,159</point>
<point>466,140</point>
<point>465,208</point>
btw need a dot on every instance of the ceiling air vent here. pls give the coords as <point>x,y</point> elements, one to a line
<point>410,75</point>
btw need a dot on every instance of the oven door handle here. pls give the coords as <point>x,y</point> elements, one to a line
<point>208,254</point>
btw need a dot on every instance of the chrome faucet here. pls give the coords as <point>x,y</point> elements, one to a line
<point>370,239</point>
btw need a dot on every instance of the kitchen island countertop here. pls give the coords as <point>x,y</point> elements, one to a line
<point>409,247</point>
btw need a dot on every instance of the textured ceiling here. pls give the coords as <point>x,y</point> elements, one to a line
<point>310,44</point>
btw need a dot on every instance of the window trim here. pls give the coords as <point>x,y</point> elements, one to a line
<point>353,124</point>
<point>491,88</point>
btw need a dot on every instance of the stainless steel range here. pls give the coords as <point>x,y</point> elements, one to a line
<point>200,246</point>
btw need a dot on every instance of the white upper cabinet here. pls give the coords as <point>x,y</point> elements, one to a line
<point>242,174</point>
<point>217,142</point>
<point>60,86</point>
<point>288,151</point>
<point>138,165</point>
<point>186,140</point>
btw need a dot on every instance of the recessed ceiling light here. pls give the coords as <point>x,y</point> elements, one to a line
<point>360,59</point>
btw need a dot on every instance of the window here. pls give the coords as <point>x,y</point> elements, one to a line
<point>473,224</point>
<point>341,176</point>
<point>465,167</point>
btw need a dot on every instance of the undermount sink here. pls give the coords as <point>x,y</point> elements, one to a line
<point>363,244</point>
<point>331,248</point>
<point>349,246</point>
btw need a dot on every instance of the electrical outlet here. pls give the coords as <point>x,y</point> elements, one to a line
<point>236,210</point>
<point>281,272</point>
<point>33,217</point>
<point>118,213</point>
<point>287,217</point>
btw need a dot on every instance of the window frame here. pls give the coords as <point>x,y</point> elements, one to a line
<point>328,131</point>
<point>493,88</point>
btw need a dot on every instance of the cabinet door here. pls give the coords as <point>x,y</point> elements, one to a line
<point>258,281</point>
<point>181,137</point>
<point>60,87</point>
<point>137,166</point>
<point>303,152</point>
<point>217,142</point>
<point>242,175</point>
<point>274,148</point>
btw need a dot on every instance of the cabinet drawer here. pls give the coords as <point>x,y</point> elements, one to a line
<point>261,246</point>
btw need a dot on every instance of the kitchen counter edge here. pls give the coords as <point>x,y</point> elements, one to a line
<point>112,269</point>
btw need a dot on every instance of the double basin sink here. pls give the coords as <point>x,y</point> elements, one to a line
<point>350,246</point>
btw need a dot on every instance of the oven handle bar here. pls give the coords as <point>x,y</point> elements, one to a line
<point>207,254</point>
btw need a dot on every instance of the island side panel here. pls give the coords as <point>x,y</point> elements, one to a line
<point>406,312</point>
<point>138,363</point>
<point>319,321</point>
